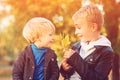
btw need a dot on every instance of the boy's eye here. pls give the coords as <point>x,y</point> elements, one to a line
<point>50,34</point>
<point>78,27</point>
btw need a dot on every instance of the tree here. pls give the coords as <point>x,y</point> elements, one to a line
<point>58,11</point>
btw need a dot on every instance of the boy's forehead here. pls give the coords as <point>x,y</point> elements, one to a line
<point>79,21</point>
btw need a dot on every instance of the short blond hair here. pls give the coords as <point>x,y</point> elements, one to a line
<point>36,27</point>
<point>91,13</point>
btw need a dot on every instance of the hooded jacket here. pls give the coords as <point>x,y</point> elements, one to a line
<point>23,68</point>
<point>94,64</point>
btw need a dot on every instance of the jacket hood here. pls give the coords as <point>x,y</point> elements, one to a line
<point>88,48</point>
<point>102,41</point>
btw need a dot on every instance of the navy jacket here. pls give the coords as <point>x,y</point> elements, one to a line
<point>95,66</point>
<point>23,68</point>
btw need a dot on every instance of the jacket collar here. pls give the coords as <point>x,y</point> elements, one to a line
<point>76,46</point>
<point>29,53</point>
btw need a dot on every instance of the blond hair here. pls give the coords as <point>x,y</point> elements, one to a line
<point>91,13</point>
<point>36,27</point>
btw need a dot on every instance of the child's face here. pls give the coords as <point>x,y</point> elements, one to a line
<point>47,38</point>
<point>83,30</point>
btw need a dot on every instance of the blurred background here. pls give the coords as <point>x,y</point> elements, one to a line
<point>15,13</point>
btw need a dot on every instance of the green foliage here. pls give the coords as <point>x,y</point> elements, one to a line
<point>58,11</point>
<point>65,42</point>
<point>62,41</point>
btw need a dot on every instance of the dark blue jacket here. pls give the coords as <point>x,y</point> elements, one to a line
<point>95,66</point>
<point>23,67</point>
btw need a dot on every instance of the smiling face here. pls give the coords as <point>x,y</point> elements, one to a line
<point>83,30</point>
<point>39,31</point>
<point>47,39</point>
<point>86,31</point>
<point>36,29</point>
<point>88,21</point>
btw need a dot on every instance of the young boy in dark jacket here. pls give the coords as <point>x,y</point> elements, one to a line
<point>37,61</point>
<point>91,58</point>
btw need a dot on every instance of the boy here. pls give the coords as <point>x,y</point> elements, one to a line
<point>37,61</point>
<point>91,58</point>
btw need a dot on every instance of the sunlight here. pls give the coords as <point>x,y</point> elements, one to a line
<point>6,21</point>
<point>4,7</point>
<point>87,2</point>
<point>117,1</point>
<point>7,8</point>
<point>57,18</point>
<point>1,8</point>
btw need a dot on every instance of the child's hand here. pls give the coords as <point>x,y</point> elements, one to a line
<point>65,65</point>
<point>68,53</point>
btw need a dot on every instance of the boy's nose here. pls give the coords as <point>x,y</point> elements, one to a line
<point>53,38</point>
<point>76,32</point>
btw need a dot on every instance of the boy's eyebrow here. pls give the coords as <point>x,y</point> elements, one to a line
<point>75,23</point>
<point>76,26</point>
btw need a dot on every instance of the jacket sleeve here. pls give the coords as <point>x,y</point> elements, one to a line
<point>54,68</point>
<point>99,72</point>
<point>66,74</point>
<point>18,68</point>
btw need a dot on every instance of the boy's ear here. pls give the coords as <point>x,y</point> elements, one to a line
<point>94,27</point>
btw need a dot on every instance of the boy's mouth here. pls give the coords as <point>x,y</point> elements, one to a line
<point>79,35</point>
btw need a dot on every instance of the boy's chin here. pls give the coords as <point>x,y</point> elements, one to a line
<point>83,40</point>
<point>48,46</point>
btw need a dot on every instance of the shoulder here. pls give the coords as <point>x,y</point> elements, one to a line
<point>105,48</point>
<point>109,51</point>
<point>51,52</point>
<point>105,51</point>
<point>25,52</point>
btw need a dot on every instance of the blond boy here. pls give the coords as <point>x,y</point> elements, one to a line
<point>37,61</point>
<point>91,57</point>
